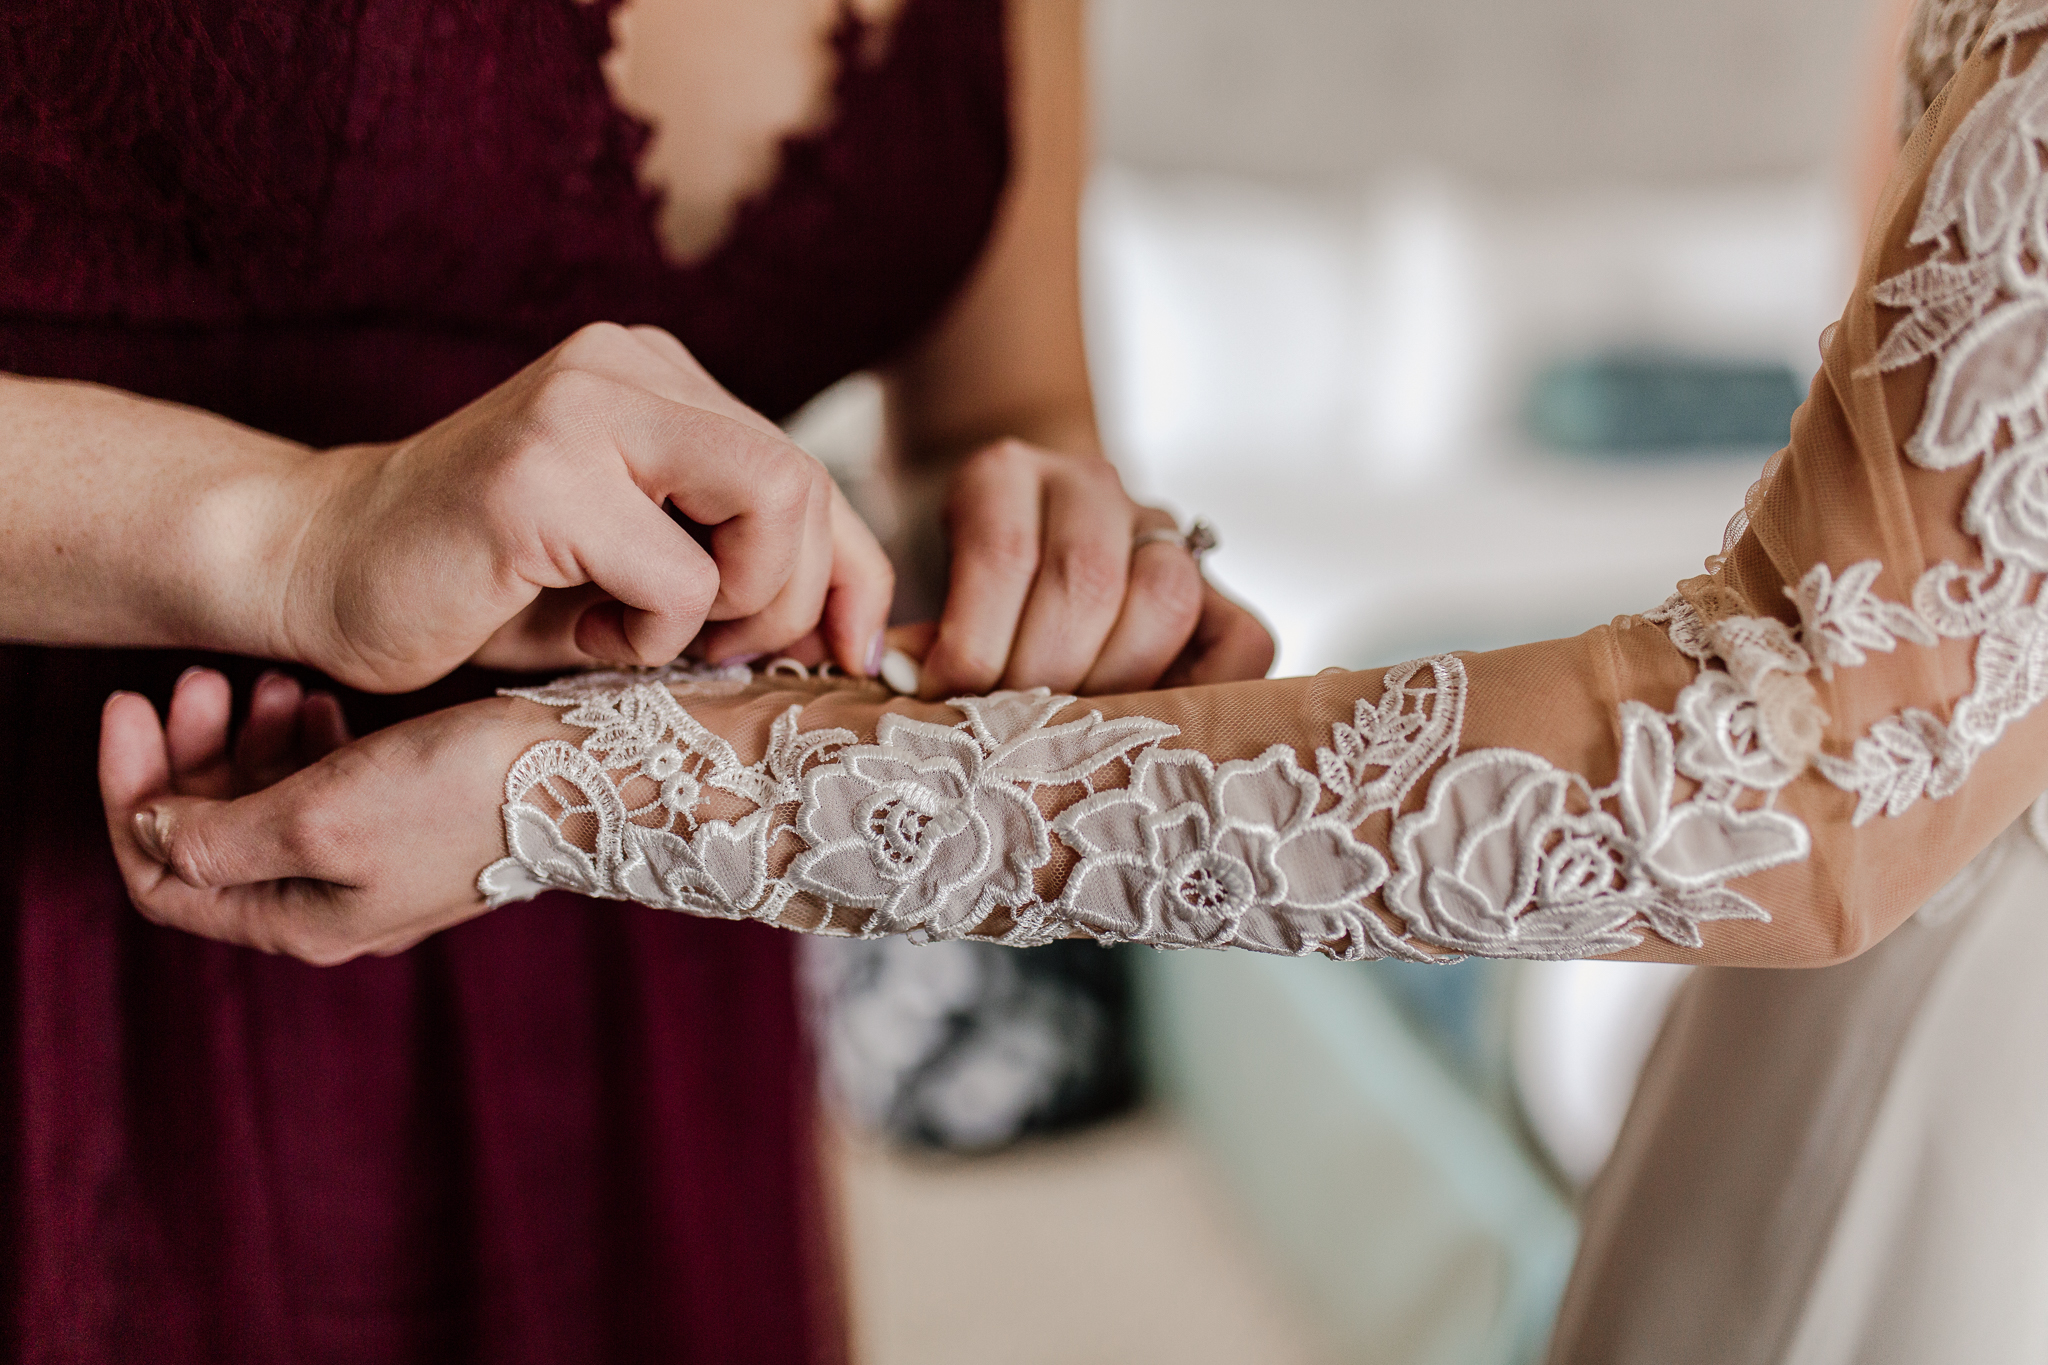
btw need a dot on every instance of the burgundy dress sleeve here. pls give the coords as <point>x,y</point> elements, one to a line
<point>568,1131</point>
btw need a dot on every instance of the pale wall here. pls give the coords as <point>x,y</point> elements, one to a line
<point>1513,93</point>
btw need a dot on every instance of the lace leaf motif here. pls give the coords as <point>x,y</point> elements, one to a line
<point>1979,307</point>
<point>1841,618</point>
<point>2015,17</point>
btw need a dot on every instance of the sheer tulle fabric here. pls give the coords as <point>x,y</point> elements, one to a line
<point>1775,766</point>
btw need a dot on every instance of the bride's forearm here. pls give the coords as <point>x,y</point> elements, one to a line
<point>125,521</point>
<point>1353,814</point>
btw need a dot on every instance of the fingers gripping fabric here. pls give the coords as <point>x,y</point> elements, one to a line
<point>1778,764</point>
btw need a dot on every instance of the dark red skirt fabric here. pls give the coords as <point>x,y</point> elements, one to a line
<point>567,1131</point>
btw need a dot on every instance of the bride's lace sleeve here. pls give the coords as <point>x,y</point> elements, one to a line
<point>1776,765</point>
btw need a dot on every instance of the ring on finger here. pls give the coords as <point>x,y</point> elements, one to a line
<point>1197,540</point>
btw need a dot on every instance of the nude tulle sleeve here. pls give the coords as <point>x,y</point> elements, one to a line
<point>1776,765</point>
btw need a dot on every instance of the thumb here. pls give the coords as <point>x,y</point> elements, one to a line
<point>203,843</point>
<point>207,844</point>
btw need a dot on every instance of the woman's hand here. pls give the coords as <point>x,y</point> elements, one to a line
<point>528,530</point>
<point>1048,590</point>
<point>298,840</point>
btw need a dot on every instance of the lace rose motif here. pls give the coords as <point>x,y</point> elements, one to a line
<point>1512,856</point>
<point>942,829</point>
<point>1723,746</point>
<point>1191,849</point>
<point>936,828</point>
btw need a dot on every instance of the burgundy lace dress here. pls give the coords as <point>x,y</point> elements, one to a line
<point>567,1131</point>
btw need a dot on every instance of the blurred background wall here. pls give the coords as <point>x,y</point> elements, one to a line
<point>1538,94</point>
<point>1342,237</point>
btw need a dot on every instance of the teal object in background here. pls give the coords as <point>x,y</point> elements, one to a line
<point>1397,1199</point>
<point>1623,403</point>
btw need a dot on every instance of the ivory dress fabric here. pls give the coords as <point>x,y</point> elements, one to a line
<point>1839,1167</point>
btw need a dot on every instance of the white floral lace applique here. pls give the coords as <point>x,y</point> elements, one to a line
<point>942,829</point>
<point>1979,308</point>
<point>1841,619</point>
<point>2012,18</point>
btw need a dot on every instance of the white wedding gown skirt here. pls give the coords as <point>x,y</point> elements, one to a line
<point>1844,1165</point>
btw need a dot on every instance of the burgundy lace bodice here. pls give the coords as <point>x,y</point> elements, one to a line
<point>340,221</point>
<point>563,1132</point>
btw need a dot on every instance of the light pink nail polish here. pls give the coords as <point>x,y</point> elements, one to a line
<point>875,653</point>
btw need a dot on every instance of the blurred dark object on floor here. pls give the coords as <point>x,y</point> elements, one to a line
<point>967,1047</point>
<point>1644,402</point>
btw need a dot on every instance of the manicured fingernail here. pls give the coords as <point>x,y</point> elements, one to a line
<point>874,662</point>
<point>196,668</point>
<point>738,659</point>
<point>899,670</point>
<point>149,833</point>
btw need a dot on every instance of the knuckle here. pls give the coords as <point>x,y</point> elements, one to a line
<point>308,836</point>
<point>566,398</point>
<point>784,621</point>
<point>788,479</point>
<point>1007,550</point>
<point>1170,586</point>
<point>1092,574</point>
<point>1102,474</point>
<point>975,668</point>
<point>878,579</point>
<point>695,589</point>
<point>189,858</point>
<point>999,458</point>
<point>523,481</point>
<point>666,344</point>
<point>591,341</point>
